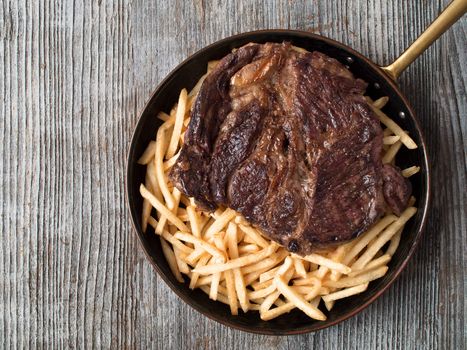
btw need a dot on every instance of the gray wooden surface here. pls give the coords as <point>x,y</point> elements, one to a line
<point>73,75</point>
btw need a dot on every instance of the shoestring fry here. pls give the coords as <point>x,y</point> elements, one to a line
<point>233,262</point>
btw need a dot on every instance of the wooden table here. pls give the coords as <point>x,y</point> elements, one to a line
<point>73,76</point>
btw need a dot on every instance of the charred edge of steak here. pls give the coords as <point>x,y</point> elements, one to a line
<point>190,173</point>
<point>287,139</point>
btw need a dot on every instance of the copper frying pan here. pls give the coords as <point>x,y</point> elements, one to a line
<point>382,82</point>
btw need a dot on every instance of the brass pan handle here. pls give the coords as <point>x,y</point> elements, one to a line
<point>446,19</point>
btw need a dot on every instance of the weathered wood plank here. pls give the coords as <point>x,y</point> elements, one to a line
<point>73,76</point>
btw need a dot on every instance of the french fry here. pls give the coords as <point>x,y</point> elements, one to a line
<point>220,297</point>
<point>217,276</point>
<point>262,293</point>
<point>332,265</point>
<point>268,275</point>
<point>176,194</point>
<point>364,239</point>
<point>269,301</point>
<point>181,212</point>
<point>395,240</point>
<point>186,122</point>
<point>194,223</point>
<point>298,300</point>
<point>163,116</point>
<point>152,222</point>
<point>315,302</point>
<point>217,213</point>
<point>337,256</point>
<point>158,165</point>
<point>248,240</point>
<point>176,243</point>
<point>397,130</point>
<point>380,102</point>
<point>239,262</point>
<point>182,266</point>
<point>201,243</point>
<point>179,116</point>
<point>391,152</point>
<point>149,153</point>
<point>240,220</point>
<point>321,272</point>
<point>260,265</point>
<point>162,208</point>
<point>303,289</point>
<point>183,217</point>
<point>203,260</point>
<point>390,140</point>
<point>151,177</point>
<point>254,235</point>
<point>232,245</point>
<point>220,222</point>
<point>170,162</point>
<point>229,279</point>
<point>329,304</point>
<point>388,132</point>
<point>385,236</point>
<point>360,279</point>
<point>203,280</point>
<point>253,276</point>
<point>212,65</point>
<point>285,266</point>
<point>382,260</point>
<point>257,285</point>
<point>410,171</point>
<point>195,256</point>
<point>239,281</point>
<point>299,49</point>
<point>171,260</point>
<point>145,214</point>
<point>248,248</point>
<point>241,290</point>
<point>311,280</point>
<point>185,201</point>
<point>254,306</point>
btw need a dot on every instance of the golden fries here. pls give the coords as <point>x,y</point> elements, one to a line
<point>179,116</point>
<point>391,153</point>
<point>171,260</point>
<point>232,262</point>
<point>360,279</point>
<point>330,264</point>
<point>344,293</point>
<point>396,129</point>
<point>298,300</point>
<point>239,262</point>
<point>410,171</point>
<point>148,154</point>
<point>381,102</point>
<point>384,237</point>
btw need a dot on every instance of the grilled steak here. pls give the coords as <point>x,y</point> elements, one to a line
<point>286,138</point>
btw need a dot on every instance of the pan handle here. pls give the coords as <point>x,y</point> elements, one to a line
<point>446,19</point>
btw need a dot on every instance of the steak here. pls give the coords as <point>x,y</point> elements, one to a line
<point>286,138</point>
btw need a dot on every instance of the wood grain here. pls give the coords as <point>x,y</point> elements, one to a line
<point>73,76</point>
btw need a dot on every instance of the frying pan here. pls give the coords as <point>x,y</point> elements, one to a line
<point>382,82</point>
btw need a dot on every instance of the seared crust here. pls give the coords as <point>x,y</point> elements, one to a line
<point>287,139</point>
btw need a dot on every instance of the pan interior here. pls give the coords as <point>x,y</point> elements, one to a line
<point>185,76</point>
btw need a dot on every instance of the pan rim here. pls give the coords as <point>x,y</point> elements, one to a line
<point>423,208</point>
